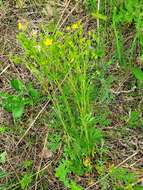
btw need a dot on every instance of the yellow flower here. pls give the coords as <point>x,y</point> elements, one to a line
<point>75,25</point>
<point>23,25</point>
<point>19,26</point>
<point>86,162</point>
<point>48,42</point>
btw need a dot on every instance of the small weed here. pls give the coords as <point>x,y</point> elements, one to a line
<point>27,164</point>
<point>23,96</point>
<point>26,181</point>
<point>54,141</point>
<point>3,129</point>
<point>117,178</point>
<point>122,178</point>
<point>135,120</point>
<point>69,57</point>
<point>138,73</point>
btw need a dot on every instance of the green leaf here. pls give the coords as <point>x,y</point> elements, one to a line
<point>3,129</point>
<point>32,91</point>
<point>14,105</point>
<point>27,164</point>
<point>134,119</point>
<point>138,73</point>
<point>18,111</point>
<point>74,186</point>
<point>26,180</point>
<point>62,171</point>
<point>17,84</point>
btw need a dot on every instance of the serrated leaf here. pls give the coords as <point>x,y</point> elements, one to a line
<point>17,84</point>
<point>138,73</point>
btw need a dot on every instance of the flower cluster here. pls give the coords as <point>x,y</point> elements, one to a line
<point>74,26</point>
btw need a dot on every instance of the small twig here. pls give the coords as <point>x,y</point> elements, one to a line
<point>123,91</point>
<point>4,69</point>
<point>128,158</point>
<point>44,168</point>
<point>141,159</point>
